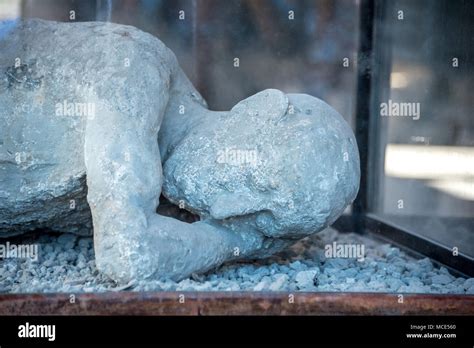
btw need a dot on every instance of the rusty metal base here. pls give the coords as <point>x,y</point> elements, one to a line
<point>235,303</point>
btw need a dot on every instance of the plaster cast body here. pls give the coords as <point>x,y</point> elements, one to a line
<point>60,167</point>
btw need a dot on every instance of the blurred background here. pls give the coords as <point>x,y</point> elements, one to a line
<point>426,177</point>
<point>293,45</point>
<point>233,49</point>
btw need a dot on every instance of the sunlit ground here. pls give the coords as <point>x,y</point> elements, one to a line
<point>449,169</point>
<point>9,9</point>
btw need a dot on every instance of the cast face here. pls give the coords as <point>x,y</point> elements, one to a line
<point>275,163</point>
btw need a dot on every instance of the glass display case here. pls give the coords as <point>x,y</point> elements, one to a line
<point>418,171</point>
<point>401,74</point>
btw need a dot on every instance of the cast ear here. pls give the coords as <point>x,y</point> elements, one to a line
<point>227,205</point>
<point>269,103</point>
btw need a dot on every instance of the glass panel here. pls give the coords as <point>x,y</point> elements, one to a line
<point>427,126</point>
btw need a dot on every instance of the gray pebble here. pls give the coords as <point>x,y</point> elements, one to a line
<point>67,240</point>
<point>338,263</point>
<point>394,284</point>
<point>377,285</point>
<point>47,249</point>
<point>413,289</point>
<point>442,279</point>
<point>260,286</point>
<point>305,279</point>
<point>377,273</point>
<point>279,282</point>
<point>413,282</point>
<point>469,283</point>
<point>321,280</point>
<point>297,266</point>
<point>84,243</point>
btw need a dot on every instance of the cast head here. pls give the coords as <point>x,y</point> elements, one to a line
<point>286,165</point>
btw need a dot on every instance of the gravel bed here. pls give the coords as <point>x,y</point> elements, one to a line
<point>66,264</point>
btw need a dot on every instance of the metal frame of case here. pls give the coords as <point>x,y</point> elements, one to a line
<point>373,78</point>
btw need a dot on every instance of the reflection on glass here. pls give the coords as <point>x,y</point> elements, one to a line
<point>428,135</point>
